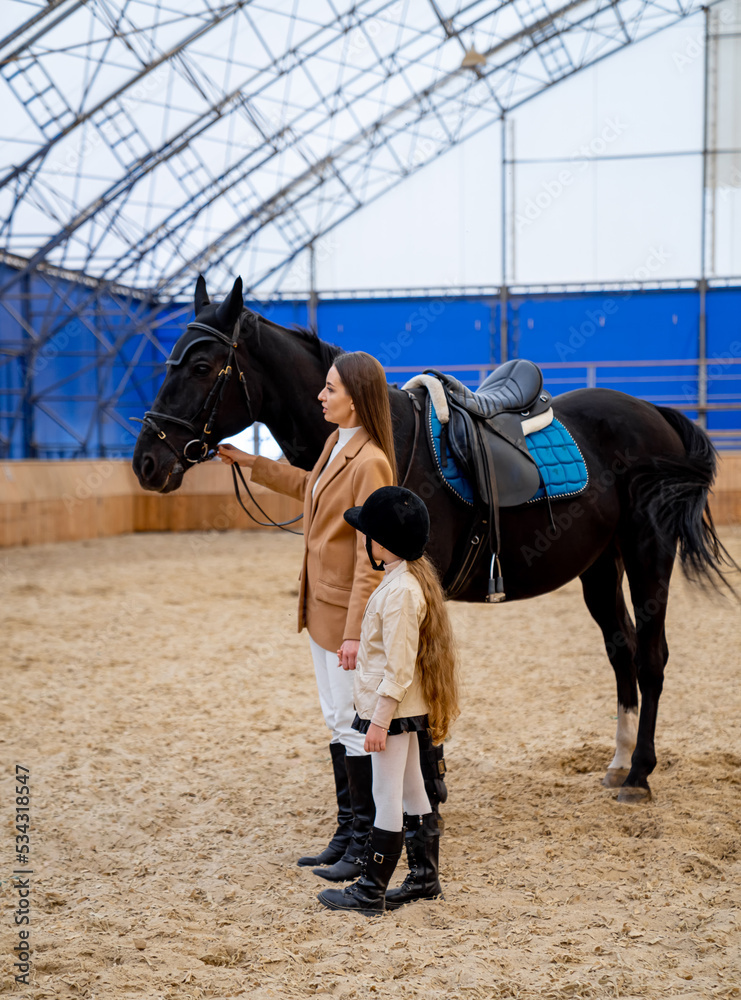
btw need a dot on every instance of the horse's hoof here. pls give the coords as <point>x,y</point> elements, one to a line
<point>615,776</point>
<point>634,795</point>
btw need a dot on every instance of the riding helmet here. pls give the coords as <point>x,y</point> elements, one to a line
<point>395,518</point>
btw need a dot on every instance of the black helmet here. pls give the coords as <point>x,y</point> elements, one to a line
<point>395,518</point>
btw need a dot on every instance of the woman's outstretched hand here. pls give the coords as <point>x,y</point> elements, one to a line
<point>348,654</point>
<point>233,456</point>
<point>375,739</point>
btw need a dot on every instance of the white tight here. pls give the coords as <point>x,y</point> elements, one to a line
<point>398,786</point>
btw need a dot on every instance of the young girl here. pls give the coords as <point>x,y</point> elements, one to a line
<point>405,683</point>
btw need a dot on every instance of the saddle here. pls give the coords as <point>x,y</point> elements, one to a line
<point>514,387</point>
<point>486,432</point>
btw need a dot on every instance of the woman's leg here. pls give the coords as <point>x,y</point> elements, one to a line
<point>335,687</point>
<point>328,699</point>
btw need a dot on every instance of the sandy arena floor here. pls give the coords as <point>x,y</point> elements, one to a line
<point>155,688</point>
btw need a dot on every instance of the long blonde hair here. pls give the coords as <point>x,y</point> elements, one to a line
<point>364,378</point>
<point>436,654</point>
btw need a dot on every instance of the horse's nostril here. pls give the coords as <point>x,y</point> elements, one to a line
<point>147,467</point>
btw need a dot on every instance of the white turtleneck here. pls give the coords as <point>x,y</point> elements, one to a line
<point>345,434</point>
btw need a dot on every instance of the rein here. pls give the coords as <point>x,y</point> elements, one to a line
<point>211,409</point>
<point>236,471</point>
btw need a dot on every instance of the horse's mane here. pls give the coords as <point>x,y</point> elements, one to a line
<point>325,352</point>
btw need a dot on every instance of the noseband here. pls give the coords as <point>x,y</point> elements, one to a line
<point>211,406</point>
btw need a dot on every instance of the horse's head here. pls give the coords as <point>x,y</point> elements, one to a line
<point>208,393</point>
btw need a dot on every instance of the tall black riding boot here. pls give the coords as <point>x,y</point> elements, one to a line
<point>360,780</point>
<point>367,895</point>
<point>338,844</point>
<point>432,762</point>
<point>422,840</point>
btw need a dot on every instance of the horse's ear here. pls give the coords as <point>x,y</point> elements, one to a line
<point>202,299</point>
<point>231,308</point>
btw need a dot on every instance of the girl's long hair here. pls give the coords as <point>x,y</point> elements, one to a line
<point>436,655</point>
<point>364,378</point>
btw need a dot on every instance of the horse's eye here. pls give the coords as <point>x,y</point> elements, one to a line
<point>202,369</point>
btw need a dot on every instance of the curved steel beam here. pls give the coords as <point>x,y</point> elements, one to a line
<point>80,119</point>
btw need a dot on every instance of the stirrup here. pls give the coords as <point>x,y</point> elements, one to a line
<point>496,586</point>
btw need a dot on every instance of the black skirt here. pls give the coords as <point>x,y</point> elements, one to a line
<point>411,724</point>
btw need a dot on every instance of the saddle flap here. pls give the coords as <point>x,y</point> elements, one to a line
<point>501,468</point>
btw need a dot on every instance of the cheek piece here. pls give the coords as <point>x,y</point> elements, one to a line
<point>378,567</point>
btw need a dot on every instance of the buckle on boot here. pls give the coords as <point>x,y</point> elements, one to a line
<point>378,858</point>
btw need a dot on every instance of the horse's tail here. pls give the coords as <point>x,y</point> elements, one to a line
<point>670,496</point>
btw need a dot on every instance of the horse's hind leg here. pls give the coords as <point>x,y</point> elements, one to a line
<point>602,584</point>
<point>649,570</point>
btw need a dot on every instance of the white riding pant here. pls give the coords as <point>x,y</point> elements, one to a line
<point>398,785</point>
<point>335,687</point>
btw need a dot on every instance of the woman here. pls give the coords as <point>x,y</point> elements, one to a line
<point>337,579</point>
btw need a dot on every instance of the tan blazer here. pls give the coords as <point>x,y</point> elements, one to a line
<point>336,578</point>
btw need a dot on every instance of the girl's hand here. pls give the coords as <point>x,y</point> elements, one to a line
<point>375,739</point>
<point>347,654</point>
<point>233,456</point>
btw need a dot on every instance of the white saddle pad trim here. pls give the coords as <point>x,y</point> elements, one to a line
<point>533,424</point>
<point>437,393</point>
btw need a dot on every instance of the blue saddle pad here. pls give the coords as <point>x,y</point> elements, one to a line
<point>451,472</point>
<point>563,471</point>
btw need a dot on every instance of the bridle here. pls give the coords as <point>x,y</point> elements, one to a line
<point>210,407</point>
<point>208,412</point>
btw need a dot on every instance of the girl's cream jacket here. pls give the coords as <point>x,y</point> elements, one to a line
<point>336,578</point>
<point>389,639</point>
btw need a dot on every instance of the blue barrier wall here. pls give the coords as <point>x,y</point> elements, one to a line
<point>89,376</point>
<point>413,332</point>
<point>69,394</point>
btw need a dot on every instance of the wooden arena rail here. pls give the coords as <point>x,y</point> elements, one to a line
<point>66,501</point>
<point>725,504</point>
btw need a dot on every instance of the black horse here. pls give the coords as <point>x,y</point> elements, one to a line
<point>650,471</point>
